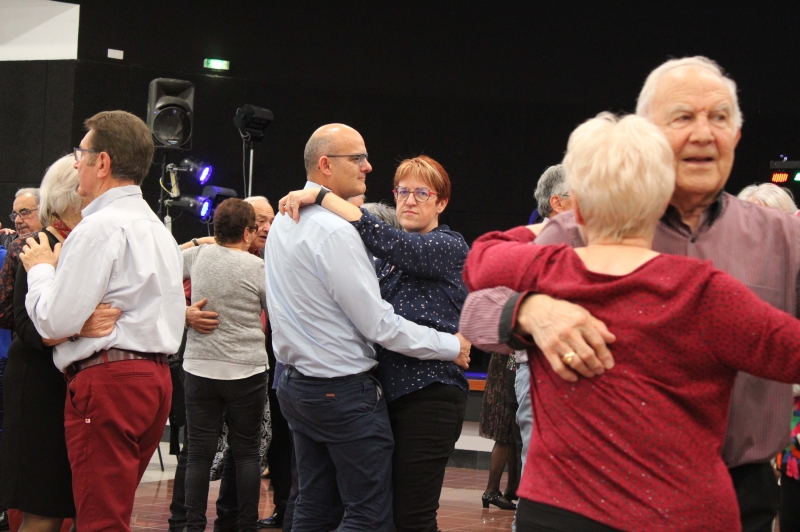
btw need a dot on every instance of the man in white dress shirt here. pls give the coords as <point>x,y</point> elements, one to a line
<point>119,390</point>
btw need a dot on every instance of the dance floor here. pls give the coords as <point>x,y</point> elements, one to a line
<point>459,507</point>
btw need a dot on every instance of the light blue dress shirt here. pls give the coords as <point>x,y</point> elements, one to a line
<point>324,301</point>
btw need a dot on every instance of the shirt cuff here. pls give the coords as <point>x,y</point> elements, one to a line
<point>450,347</point>
<point>41,271</point>
<point>508,319</point>
<point>365,218</point>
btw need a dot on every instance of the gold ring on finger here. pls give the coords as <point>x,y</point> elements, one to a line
<point>567,359</point>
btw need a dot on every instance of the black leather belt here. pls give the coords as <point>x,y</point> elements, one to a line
<point>293,373</point>
<point>109,356</point>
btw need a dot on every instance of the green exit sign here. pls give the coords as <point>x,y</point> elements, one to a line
<point>217,64</point>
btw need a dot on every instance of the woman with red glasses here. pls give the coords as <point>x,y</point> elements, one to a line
<point>419,271</point>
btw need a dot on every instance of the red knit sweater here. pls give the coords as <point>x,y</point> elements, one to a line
<point>639,447</point>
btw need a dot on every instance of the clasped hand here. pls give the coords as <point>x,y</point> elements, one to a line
<point>39,252</point>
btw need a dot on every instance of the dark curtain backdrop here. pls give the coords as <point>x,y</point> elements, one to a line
<point>492,91</point>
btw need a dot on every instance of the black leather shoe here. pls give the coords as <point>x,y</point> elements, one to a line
<point>4,521</point>
<point>511,495</point>
<point>273,521</point>
<point>499,500</point>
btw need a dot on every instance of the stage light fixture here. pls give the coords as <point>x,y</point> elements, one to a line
<point>199,206</point>
<point>170,113</point>
<point>253,121</point>
<point>218,194</point>
<point>196,168</point>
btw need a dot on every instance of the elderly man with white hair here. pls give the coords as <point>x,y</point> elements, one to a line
<point>696,107</point>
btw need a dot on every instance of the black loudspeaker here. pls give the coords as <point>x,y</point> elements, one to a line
<point>170,113</point>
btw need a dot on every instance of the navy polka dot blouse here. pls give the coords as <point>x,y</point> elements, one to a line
<point>420,275</point>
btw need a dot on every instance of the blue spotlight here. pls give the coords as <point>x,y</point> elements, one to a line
<point>196,168</point>
<point>205,209</point>
<point>204,175</point>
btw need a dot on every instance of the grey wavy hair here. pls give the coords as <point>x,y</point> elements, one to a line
<point>58,193</point>
<point>769,195</point>
<point>550,183</point>
<point>384,213</point>
<point>32,191</point>
<point>648,92</point>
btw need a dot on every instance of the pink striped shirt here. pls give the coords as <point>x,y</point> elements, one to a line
<point>758,246</point>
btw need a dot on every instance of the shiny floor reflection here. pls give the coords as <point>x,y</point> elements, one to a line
<point>460,504</point>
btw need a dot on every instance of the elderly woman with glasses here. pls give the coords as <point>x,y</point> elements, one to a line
<point>226,370</point>
<point>683,330</point>
<point>35,475</point>
<point>419,270</point>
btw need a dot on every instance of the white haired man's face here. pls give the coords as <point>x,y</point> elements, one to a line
<point>27,224</point>
<point>694,110</point>
<point>264,217</point>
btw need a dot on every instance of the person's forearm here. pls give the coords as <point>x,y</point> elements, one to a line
<point>341,207</point>
<point>413,340</point>
<point>500,259</point>
<point>197,242</point>
<point>486,321</point>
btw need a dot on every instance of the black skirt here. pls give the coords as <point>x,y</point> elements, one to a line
<point>35,476</point>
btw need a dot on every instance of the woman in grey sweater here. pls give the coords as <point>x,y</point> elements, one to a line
<point>226,370</point>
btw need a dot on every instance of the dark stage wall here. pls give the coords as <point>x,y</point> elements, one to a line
<point>491,91</point>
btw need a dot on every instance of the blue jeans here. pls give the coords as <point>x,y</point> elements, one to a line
<point>206,402</point>
<point>522,387</point>
<point>343,445</point>
<point>525,411</point>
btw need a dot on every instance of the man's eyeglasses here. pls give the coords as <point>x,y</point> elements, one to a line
<point>421,194</point>
<point>360,157</point>
<point>78,152</point>
<point>253,228</point>
<point>25,213</point>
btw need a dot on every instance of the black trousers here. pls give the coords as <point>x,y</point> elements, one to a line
<point>426,425</point>
<point>279,456</point>
<point>537,517</point>
<point>758,494</point>
<point>242,402</point>
<point>789,515</point>
<point>288,516</point>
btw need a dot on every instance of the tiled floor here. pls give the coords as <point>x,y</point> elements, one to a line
<point>460,505</point>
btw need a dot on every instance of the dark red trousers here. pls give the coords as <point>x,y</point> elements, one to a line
<point>114,417</point>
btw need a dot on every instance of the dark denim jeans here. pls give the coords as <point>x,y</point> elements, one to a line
<point>206,402</point>
<point>343,444</point>
<point>227,503</point>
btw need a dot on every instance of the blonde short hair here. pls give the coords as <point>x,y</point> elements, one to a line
<point>769,195</point>
<point>648,92</point>
<point>59,191</point>
<point>621,175</point>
